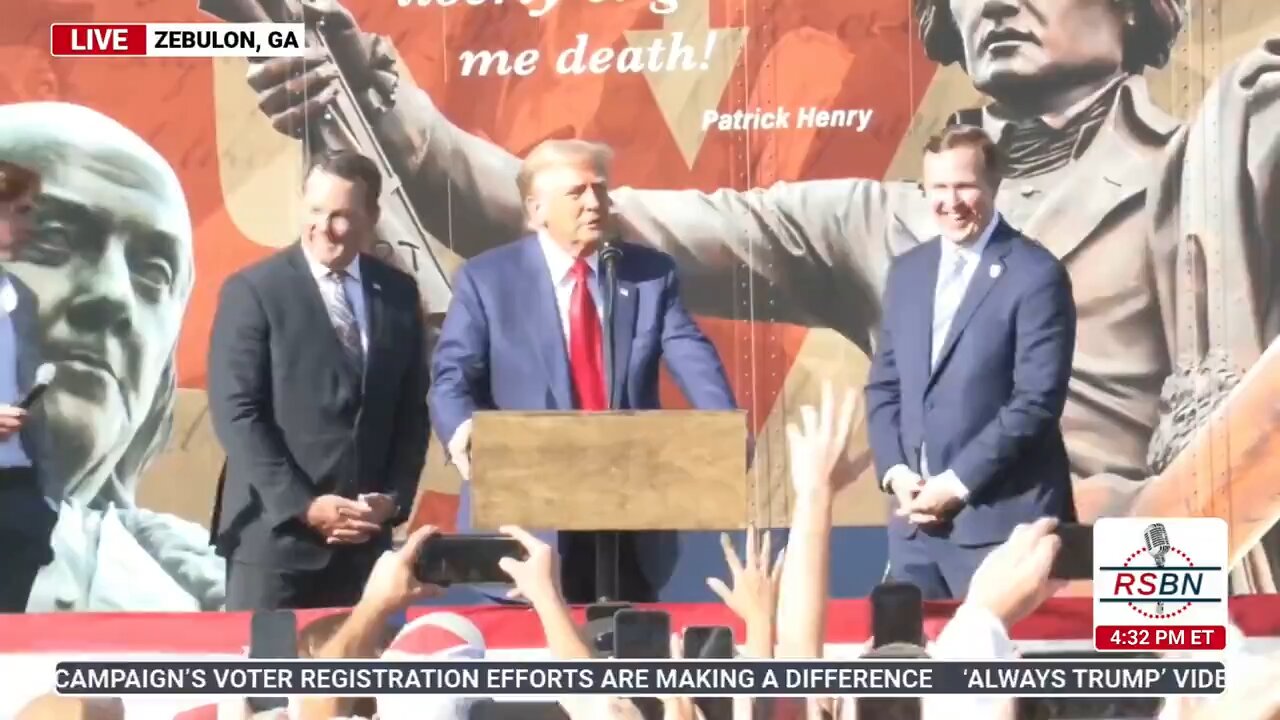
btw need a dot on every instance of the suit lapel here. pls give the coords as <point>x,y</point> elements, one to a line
<point>624,324</point>
<point>371,282</point>
<point>316,313</point>
<point>922,312</point>
<point>537,295</point>
<point>1066,217</point>
<point>989,271</point>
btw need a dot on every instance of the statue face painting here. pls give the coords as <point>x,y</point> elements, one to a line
<point>1060,42</point>
<point>108,257</point>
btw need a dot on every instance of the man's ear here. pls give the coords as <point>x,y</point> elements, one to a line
<point>536,211</point>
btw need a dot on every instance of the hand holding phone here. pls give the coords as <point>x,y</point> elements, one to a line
<point>1074,560</point>
<point>466,559</point>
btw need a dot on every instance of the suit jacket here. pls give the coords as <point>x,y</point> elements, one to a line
<point>295,418</point>
<point>23,509</point>
<point>989,408</point>
<point>503,347</point>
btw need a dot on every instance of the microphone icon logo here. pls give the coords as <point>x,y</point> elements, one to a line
<point>1157,538</point>
<point>1165,591</point>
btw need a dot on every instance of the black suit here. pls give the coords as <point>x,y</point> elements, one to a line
<point>297,422</point>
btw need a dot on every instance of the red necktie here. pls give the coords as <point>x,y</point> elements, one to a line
<point>586,351</point>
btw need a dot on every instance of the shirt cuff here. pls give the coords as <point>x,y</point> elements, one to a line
<point>952,481</point>
<point>893,472</point>
<point>458,443</point>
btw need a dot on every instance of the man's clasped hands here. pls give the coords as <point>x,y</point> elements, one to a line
<point>343,521</point>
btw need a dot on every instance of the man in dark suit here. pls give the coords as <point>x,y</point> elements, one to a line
<point>969,377</point>
<point>524,332</point>
<point>317,388</point>
<point>26,519</point>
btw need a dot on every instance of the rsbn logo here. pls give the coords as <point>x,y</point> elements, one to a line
<point>1159,583</point>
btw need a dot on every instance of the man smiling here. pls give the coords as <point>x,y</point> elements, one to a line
<point>967,387</point>
<point>1108,181</point>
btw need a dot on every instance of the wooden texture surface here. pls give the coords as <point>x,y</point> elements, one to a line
<point>1231,468</point>
<point>651,470</point>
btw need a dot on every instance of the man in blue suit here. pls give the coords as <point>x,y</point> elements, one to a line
<point>969,378</point>
<point>524,332</point>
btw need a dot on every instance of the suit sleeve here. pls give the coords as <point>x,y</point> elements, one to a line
<point>883,395</point>
<point>692,359</point>
<point>412,430</point>
<point>240,403</point>
<point>460,365</point>
<point>1044,343</point>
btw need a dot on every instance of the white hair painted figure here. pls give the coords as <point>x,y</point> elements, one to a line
<point>109,258</point>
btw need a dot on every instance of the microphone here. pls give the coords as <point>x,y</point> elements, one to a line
<point>609,253</point>
<point>609,250</point>
<point>44,376</point>
<point>1157,538</point>
<point>1157,542</point>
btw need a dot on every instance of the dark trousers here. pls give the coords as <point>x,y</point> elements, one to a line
<point>18,569</point>
<point>940,568</point>
<point>578,570</point>
<point>26,523</point>
<point>337,584</point>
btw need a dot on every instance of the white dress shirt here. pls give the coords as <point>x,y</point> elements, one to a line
<point>956,267</point>
<point>353,284</point>
<point>560,264</point>
<point>12,454</point>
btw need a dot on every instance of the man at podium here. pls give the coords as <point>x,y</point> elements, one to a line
<point>525,331</point>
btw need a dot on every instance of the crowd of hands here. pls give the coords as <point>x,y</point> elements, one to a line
<point>782,601</point>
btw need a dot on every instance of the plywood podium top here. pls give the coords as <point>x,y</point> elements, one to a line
<point>622,470</point>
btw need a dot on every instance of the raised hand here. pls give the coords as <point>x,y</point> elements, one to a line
<point>755,583</point>
<point>537,577</point>
<point>817,443</point>
<point>392,584</point>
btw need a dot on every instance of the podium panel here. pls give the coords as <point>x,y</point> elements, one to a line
<point>625,470</point>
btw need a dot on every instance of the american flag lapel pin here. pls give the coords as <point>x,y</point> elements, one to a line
<point>624,292</point>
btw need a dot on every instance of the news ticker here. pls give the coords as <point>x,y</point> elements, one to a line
<point>177,39</point>
<point>644,678</point>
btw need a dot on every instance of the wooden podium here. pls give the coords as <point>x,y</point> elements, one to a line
<point>608,472</point>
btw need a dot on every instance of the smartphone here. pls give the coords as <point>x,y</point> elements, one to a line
<point>641,634</point>
<point>1075,556</point>
<point>273,635</point>
<point>466,559</point>
<point>883,708</point>
<point>709,642</point>
<point>897,614</point>
<point>602,610</point>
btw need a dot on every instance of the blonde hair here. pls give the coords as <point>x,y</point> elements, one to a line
<point>553,153</point>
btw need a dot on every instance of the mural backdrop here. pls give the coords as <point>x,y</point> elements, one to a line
<point>771,145</point>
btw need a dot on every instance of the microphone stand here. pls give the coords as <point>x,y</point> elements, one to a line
<point>607,581</point>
